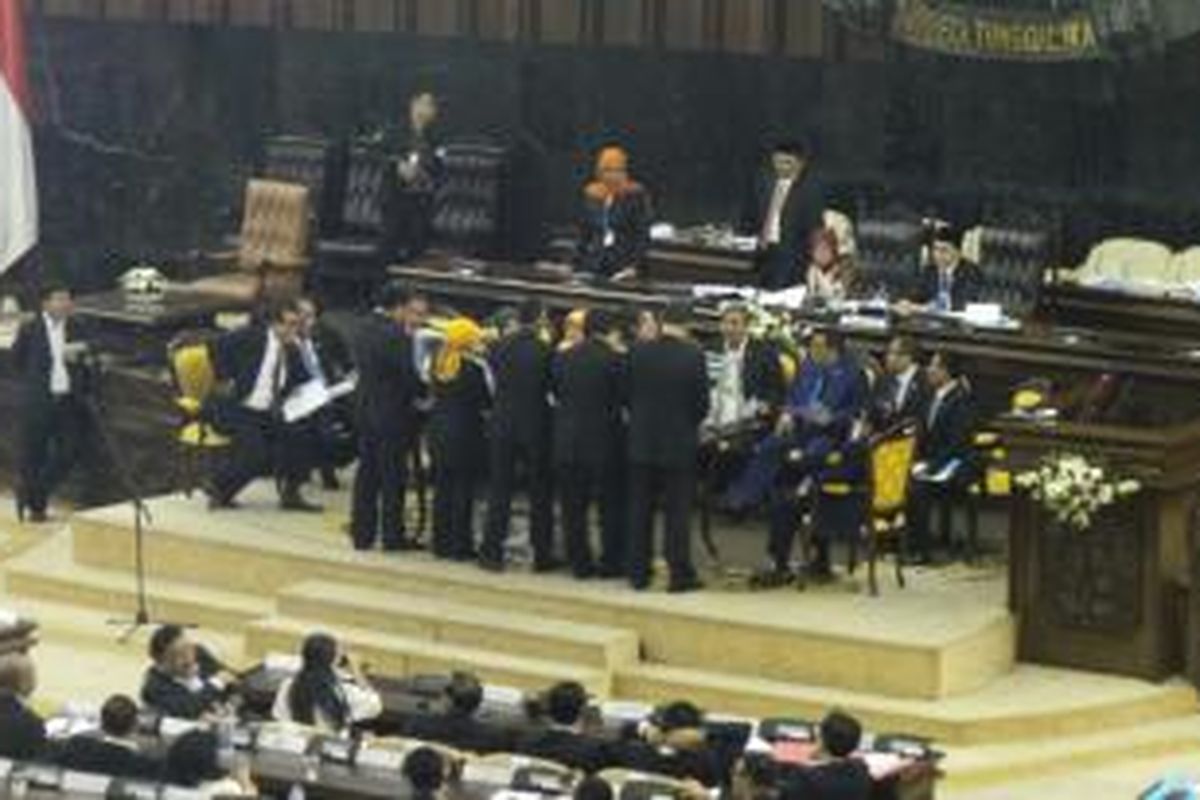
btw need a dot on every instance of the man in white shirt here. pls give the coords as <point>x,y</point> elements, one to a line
<point>787,207</point>
<point>264,365</point>
<point>46,352</point>
<point>903,393</point>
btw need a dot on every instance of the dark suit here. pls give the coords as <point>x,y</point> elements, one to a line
<point>91,752</point>
<point>329,358</point>
<point>457,442</point>
<point>785,263</point>
<point>520,438</point>
<point>563,746</point>
<point>22,732</point>
<point>965,285</point>
<point>887,408</point>
<point>589,437</point>
<point>948,429</point>
<point>701,764</point>
<point>460,731</point>
<point>762,374</point>
<point>262,442</point>
<point>668,400</point>
<point>845,779</point>
<point>628,220</point>
<point>51,424</point>
<point>173,699</point>
<point>409,207</point>
<point>387,427</point>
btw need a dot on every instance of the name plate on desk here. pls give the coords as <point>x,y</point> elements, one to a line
<point>281,739</point>
<point>86,783</point>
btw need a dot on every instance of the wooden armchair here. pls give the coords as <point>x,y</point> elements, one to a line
<point>273,250</point>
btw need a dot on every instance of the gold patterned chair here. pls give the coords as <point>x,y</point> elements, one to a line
<point>196,440</point>
<point>879,502</point>
<point>273,250</point>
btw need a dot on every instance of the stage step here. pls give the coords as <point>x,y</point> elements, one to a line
<point>910,644</point>
<point>1031,703</point>
<point>991,765</point>
<point>48,572</point>
<point>400,655</point>
<point>483,627</point>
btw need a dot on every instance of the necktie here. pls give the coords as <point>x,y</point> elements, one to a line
<point>771,225</point>
<point>277,379</point>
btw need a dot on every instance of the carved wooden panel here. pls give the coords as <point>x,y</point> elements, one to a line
<point>73,8</point>
<point>1094,579</point>
<point>198,12</point>
<point>254,12</point>
<point>322,15</point>
<point>749,26</point>
<point>140,10</point>
<point>804,28</point>
<point>377,16</point>
<point>499,19</point>
<point>441,17</point>
<point>559,21</point>
<point>626,23</point>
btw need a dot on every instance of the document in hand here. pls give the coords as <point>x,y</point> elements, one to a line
<point>313,396</point>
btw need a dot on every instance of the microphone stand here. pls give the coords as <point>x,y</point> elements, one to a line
<point>93,403</point>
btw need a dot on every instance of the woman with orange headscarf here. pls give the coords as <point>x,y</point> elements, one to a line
<point>461,396</point>
<point>616,218</point>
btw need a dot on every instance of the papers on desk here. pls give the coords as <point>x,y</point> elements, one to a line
<point>791,298</point>
<point>313,396</point>
<point>86,783</point>
<point>285,663</point>
<point>704,291</point>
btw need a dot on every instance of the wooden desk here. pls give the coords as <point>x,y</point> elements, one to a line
<point>1104,309</point>
<point>140,329</point>
<point>695,263</point>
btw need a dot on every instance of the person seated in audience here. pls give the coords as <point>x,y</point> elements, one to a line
<point>562,739</point>
<point>425,771</point>
<point>184,681</point>
<point>749,382</point>
<point>615,229</point>
<point>462,395</point>
<point>903,391</point>
<point>326,358</point>
<point>839,774</point>
<point>22,730</point>
<point>949,282</point>
<point>831,276</point>
<point>113,750</point>
<point>329,692</point>
<point>593,787</point>
<point>264,365</point>
<point>459,727</point>
<point>673,742</point>
<point>946,454</point>
<point>193,762</point>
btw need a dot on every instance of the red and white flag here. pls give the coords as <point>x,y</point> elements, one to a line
<point>18,188</point>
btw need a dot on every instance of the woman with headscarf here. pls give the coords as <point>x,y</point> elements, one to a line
<point>462,394</point>
<point>616,218</point>
<point>832,276</point>
<point>329,692</point>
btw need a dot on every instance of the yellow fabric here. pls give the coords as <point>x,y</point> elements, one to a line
<point>199,434</point>
<point>194,375</point>
<point>986,439</point>
<point>891,464</point>
<point>188,405</point>
<point>462,336</point>
<point>787,365</point>
<point>1027,400</point>
<point>837,489</point>
<point>998,482</point>
<point>834,459</point>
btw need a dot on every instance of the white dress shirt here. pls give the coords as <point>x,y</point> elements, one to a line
<point>904,382</point>
<point>262,397</point>
<point>772,227</point>
<point>729,402</point>
<point>939,398</point>
<point>60,377</point>
<point>362,703</point>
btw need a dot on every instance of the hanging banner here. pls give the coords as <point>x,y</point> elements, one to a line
<point>962,30</point>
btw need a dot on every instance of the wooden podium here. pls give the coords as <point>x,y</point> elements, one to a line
<point>1118,597</point>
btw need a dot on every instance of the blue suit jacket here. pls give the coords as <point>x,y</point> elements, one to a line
<point>839,388</point>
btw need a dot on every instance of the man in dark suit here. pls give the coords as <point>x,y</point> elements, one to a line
<point>786,206</point>
<point>946,454</point>
<point>182,682</point>
<point>113,750</point>
<point>460,727</point>
<point>48,356</point>
<point>419,171</point>
<point>903,392</point>
<point>949,282</point>
<point>264,366</point>
<point>839,775</point>
<point>520,439</point>
<point>589,440</point>
<point>22,731</point>
<point>668,400</point>
<point>327,360</point>
<point>563,739</point>
<point>389,387</point>
<point>749,380</point>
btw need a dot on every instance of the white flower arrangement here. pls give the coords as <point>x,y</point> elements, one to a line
<point>1073,489</point>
